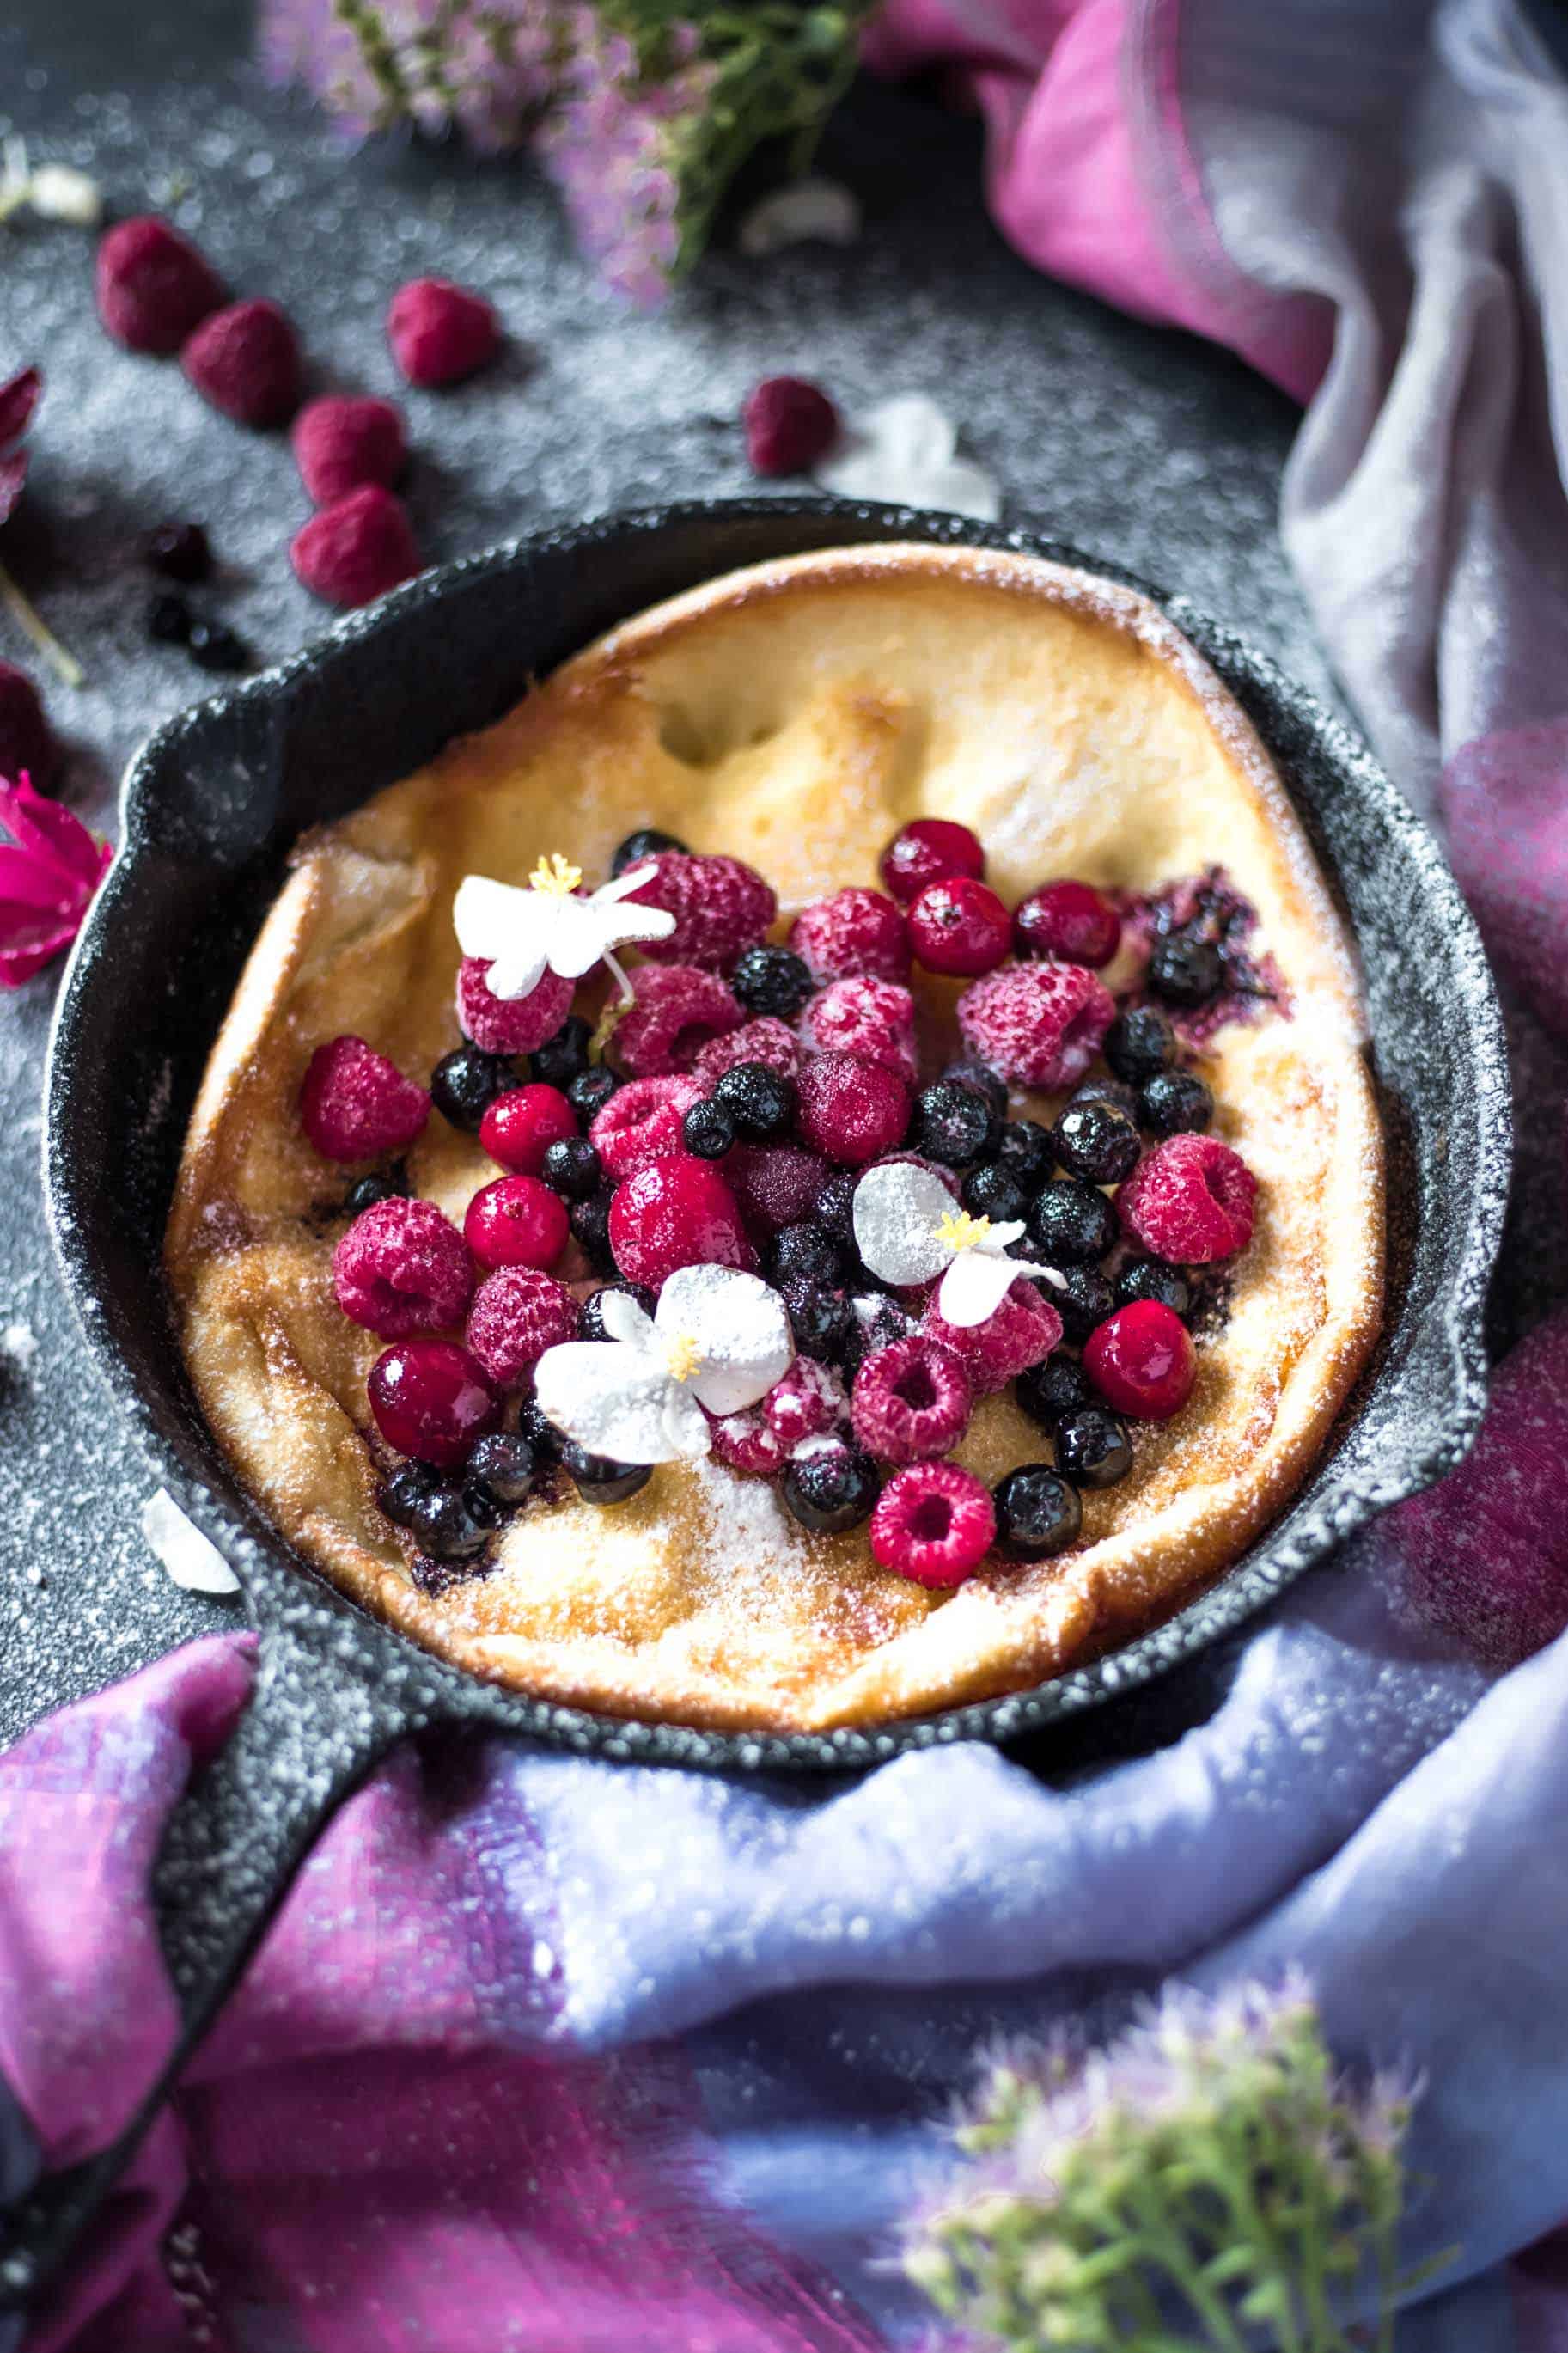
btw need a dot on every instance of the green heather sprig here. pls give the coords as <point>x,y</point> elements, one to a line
<point>642,111</point>
<point>1206,2184</point>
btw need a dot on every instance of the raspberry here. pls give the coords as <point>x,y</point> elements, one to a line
<point>679,1011</point>
<point>354,1104</point>
<point>775,1184</point>
<point>431,1400</point>
<point>28,744</point>
<point>517,1312</point>
<point>679,1211</point>
<point>520,1127</point>
<point>790,424</point>
<point>744,1441</point>
<point>152,287</point>
<point>401,1267</point>
<point>340,444</point>
<point>1189,1201</point>
<point>872,1018</point>
<point>768,1041</point>
<point>927,850</point>
<point>1069,920</point>
<point>721,908</point>
<point>960,925</point>
<point>1141,1360</point>
<point>852,1109</point>
<point>1038,1023</point>
<point>356,549</point>
<point>810,1401</point>
<point>641,1124</point>
<point>510,1025</point>
<point>516,1221</point>
<point>854,932</point>
<point>910,1401</point>
<point>245,361</point>
<point>933,1523</point>
<point>440,332</point>
<point>1021,1333</point>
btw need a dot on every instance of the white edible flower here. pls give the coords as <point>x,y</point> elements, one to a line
<point>909,1229</point>
<point>805,209</point>
<point>521,934</point>
<point>55,192</point>
<point>905,452</point>
<point>191,1558</point>
<point>718,1338</point>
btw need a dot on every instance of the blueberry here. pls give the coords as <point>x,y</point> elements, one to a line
<point>820,1318</point>
<point>760,1101</point>
<point>464,1083</point>
<point>982,1080</point>
<point>542,1435</point>
<point>874,1322</point>
<point>600,1480</point>
<point>991,1193</point>
<point>1092,1446</point>
<point>1082,1299</point>
<point>1038,1512</point>
<point>806,1253</point>
<point>832,1490</point>
<point>442,1526</point>
<point>835,1206</point>
<point>572,1167</point>
<point>590,1091</point>
<point>1151,1278</point>
<point>1139,1042</point>
<point>557,1062</point>
<point>1048,1391</point>
<point>504,1465</point>
<point>593,1324</point>
<point>953,1125</point>
<point>211,645</point>
<point>483,1505</point>
<point>169,620</point>
<point>438,1575</point>
<point>1071,1224</point>
<point>1093,1140</point>
<point>589,1223</point>
<point>772,980</point>
<point>640,847</point>
<point>1175,1103</point>
<point>381,1185</point>
<point>1185,971</point>
<point>410,1485</point>
<point>1026,1151</point>
<point>180,551</point>
<point>708,1132</point>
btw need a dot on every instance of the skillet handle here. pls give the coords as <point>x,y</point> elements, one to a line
<point>309,1734</point>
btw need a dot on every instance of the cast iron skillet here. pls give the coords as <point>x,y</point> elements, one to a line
<point>211,808</point>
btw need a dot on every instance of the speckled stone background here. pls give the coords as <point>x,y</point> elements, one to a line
<point>1144,444</point>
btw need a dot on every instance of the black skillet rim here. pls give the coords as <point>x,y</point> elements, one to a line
<point>420,1688</point>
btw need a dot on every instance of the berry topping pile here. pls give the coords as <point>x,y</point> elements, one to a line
<point>791,1203</point>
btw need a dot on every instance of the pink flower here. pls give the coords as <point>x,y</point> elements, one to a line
<point>49,872</point>
<point>17,401</point>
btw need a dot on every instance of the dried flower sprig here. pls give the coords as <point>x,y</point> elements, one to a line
<point>18,399</point>
<point>641,111</point>
<point>1205,2184</point>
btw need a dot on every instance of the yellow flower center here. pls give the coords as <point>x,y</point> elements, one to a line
<point>682,1356</point>
<point>960,1231</point>
<point>555,876</point>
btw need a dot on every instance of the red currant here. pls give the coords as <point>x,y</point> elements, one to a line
<point>516,1221</point>
<point>928,849</point>
<point>1143,1361</point>
<point>1069,920</point>
<point>960,925</point>
<point>678,1211</point>
<point>431,1399</point>
<point>520,1127</point>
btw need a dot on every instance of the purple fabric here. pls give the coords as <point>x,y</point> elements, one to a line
<point>550,2052</point>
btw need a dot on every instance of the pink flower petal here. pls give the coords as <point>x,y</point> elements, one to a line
<point>50,835</point>
<point>13,474</point>
<point>27,881</point>
<point>17,401</point>
<point>47,876</point>
<point>19,963</point>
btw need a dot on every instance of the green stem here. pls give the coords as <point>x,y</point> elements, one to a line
<point>27,616</point>
<point>1166,2245</point>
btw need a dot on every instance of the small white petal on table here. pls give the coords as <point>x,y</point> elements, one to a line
<point>191,1558</point>
<point>904,452</point>
<point>898,1209</point>
<point>807,210</point>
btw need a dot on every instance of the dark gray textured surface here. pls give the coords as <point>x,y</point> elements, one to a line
<point>1141,443</point>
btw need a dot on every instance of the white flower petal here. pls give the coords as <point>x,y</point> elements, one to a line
<point>621,886</point>
<point>577,937</point>
<point>625,1321</point>
<point>507,929</point>
<point>739,1325</point>
<point>963,487</point>
<point>974,1286</point>
<point>904,452</point>
<point>191,1558</point>
<point>898,1209</point>
<point>686,1424</point>
<point>1003,1235</point>
<point>805,209</point>
<point>609,1398</point>
<point>59,192</point>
